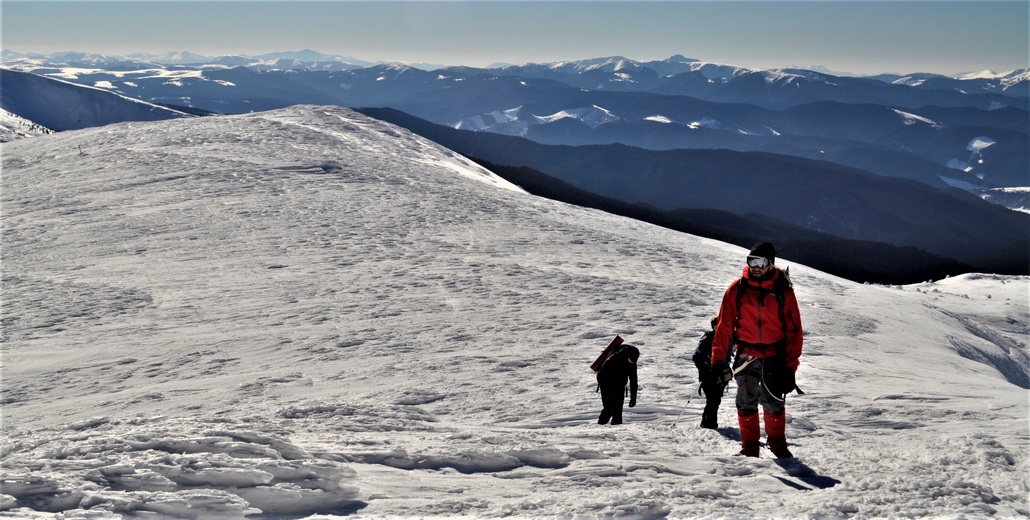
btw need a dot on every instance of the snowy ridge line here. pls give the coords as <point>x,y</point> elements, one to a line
<point>425,149</point>
<point>152,106</point>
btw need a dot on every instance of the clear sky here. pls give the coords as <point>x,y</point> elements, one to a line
<point>860,36</point>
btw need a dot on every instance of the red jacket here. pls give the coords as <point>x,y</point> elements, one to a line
<point>760,327</point>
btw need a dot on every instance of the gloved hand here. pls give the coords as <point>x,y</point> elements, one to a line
<point>721,373</point>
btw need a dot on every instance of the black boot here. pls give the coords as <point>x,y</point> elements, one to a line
<point>617,418</point>
<point>709,420</point>
<point>749,450</point>
<point>713,397</point>
<point>778,445</point>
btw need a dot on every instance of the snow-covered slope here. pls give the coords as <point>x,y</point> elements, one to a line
<point>308,312</point>
<point>60,105</point>
<point>15,127</point>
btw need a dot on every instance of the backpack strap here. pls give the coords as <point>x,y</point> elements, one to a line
<point>741,288</point>
<point>780,287</point>
<point>613,354</point>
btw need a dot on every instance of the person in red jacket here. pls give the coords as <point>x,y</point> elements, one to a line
<point>759,313</point>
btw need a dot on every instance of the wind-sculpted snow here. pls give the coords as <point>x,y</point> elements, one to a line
<point>308,313</point>
<point>174,469</point>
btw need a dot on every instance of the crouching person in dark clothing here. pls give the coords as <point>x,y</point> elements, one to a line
<point>712,389</point>
<point>619,369</point>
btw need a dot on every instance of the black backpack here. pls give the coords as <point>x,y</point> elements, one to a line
<point>703,353</point>
<point>617,363</point>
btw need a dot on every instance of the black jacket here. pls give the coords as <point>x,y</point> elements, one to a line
<point>618,369</point>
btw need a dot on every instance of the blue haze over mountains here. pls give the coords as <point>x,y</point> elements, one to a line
<point>807,156</point>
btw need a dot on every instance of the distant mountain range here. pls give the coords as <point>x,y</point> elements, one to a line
<point>873,159</point>
<point>790,192</point>
<point>617,72</point>
<point>969,131</point>
<point>298,60</point>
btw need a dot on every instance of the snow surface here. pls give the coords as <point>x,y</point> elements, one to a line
<point>512,121</point>
<point>658,119</point>
<point>911,119</point>
<point>1017,199</point>
<point>14,127</point>
<point>309,313</point>
<point>592,116</point>
<point>975,148</point>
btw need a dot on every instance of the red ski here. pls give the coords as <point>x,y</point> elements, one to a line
<point>596,365</point>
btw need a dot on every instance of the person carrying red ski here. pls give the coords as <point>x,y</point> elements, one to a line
<point>759,313</point>
<point>618,370</point>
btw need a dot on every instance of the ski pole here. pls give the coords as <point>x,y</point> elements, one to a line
<point>691,398</point>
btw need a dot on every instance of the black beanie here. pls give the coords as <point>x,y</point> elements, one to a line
<point>766,250</point>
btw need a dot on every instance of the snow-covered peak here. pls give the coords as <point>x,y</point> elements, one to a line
<point>679,58</point>
<point>792,75</point>
<point>81,57</point>
<point>364,137</point>
<point>718,71</point>
<point>179,57</point>
<point>914,80</point>
<point>990,74</point>
<point>671,66</point>
<point>1014,77</point>
<point>606,64</point>
<point>593,116</point>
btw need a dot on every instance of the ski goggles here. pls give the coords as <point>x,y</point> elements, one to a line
<point>757,262</point>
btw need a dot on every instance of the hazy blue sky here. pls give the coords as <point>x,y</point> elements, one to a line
<point>849,36</point>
